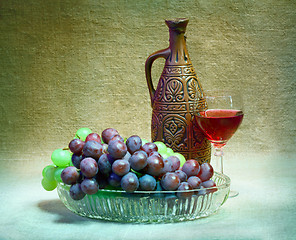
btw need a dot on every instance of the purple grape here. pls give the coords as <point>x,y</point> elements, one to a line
<point>209,184</point>
<point>175,162</point>
<point>191,167</point>
<point>110,159</point>
<point>93,137</point>
<point>108,134</point>
<point>117,149</point>
<point>117,137</point>
<point>70,175</point>
<point>127,156</point>
<point>168,166</point>
<point>121,167</point>
<point>76,192</point>
<point>104,165</point>
<point>129,182</point>
<point>89,167</point>
<point>181,175</point>
<point>114,180</point>
<point>170,181</point>
<point>81,177</point>
<point>138,160</point>
<point>149,147</point>
<point>206,172</point>
<point>154,165</point>
<point>147,182</point>
<point>93,149</point>
<point>194,182</point>
<point>133,143</point>
<point>89,186</point>
<point>184,186</point>
<point>76,146</point>
<point>76,160</point>
<point>155,154</point>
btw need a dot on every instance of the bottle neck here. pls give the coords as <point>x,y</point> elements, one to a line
<point>179,53</point>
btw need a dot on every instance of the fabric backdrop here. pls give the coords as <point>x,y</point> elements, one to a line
<point>70,64</point>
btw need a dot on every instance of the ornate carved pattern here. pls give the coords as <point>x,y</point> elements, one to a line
<point>203,155</point>
<point>173,113</point>
<point>154,126</point>
<point>174,132</point>
<point>189,70</point>
<point>192,86</point>
<point>197,137</point>
<point>172,70</point>
<point>159,90</point>
<point>201,105</point>
<point>170,107</point>
<point>174,91</point>
<point>191,106</point>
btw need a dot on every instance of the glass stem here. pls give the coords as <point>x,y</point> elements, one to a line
<point>219,154</point>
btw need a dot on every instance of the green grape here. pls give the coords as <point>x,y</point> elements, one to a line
<point>57,174</point>
<point>61,157</point>
<point>162,148</point>
<point>46,168</point>
<point>71,163</point>
<point>144,141</point>
<point>82,133</point>
<point>48,172</point>
<point>164,155</point>
<point>48,185</point>
<point>181,157</point>
<point>170,151</point>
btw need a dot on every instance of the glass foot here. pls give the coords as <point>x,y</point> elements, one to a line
<point>233,194</point>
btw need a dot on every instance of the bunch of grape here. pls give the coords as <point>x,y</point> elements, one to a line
<point>133,164</point>
<point>61,159</point>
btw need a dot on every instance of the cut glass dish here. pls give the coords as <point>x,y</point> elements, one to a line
<point>149,206</point>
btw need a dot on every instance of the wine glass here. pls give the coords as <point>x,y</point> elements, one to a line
<point>218,114</point>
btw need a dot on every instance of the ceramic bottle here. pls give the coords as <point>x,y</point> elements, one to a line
<point>173,99</point>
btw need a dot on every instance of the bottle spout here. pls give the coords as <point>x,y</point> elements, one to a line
<point>177,24</point>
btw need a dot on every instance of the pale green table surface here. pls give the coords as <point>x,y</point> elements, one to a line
<point>264,209</point>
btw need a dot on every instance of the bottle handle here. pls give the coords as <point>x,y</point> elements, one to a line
<point>148,66</point>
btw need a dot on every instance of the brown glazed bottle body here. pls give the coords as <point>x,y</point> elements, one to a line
<point>173,99</point>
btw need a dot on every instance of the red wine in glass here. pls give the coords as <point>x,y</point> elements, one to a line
<point>219,119</point>
<point>219,124</point>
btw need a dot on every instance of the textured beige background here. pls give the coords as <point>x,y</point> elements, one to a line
<point>69,64</point>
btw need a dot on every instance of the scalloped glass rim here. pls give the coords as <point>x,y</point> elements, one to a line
<point>149,206</point>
